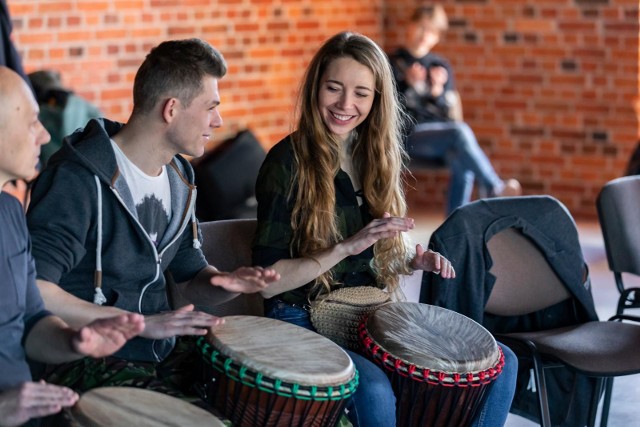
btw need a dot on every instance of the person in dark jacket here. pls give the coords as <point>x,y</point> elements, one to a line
<point>427,88</point>
<point>9,56</point>
<point>112,214</point>
<point>27,329</point>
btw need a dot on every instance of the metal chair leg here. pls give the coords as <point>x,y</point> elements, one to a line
<point>543,402</point>
<point>595,399</point>
<point>608,390</point>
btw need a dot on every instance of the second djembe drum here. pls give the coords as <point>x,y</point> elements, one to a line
<point>440,362</point>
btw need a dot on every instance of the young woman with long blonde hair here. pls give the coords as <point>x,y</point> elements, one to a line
<point>331,206</point>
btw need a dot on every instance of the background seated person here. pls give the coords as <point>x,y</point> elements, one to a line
<point>427,89</point>
<point>61,110</point>
<point>26,328</point>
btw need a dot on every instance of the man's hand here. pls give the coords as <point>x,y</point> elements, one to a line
<point>33,400</point>
<point>183,321</point>
<point>245,280</point>
<point>432,261</point>
<point>103,337</point>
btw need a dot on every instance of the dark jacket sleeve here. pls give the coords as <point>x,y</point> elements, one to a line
<point>273,233</point>
<point>59,223</point>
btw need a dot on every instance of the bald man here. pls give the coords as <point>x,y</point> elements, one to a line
<point>26,328</point>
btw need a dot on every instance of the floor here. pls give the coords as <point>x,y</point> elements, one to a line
<point>626,391</point>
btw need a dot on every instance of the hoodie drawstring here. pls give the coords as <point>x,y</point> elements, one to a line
<point>194,229</point>
<point>98,297</point>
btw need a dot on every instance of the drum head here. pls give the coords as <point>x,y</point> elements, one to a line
<point>282,351</point>
<point>127,406</point>
<point>433,338</point>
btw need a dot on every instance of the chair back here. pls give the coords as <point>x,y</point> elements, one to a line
<point>226,246</point>
<point>525,282</point>
<point>618,211</point>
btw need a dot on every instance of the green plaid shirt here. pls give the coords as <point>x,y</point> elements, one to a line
<point>273,236</point>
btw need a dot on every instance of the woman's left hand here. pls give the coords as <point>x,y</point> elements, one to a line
<point>432,261</point>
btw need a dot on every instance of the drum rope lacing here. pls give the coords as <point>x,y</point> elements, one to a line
<point>246,376</point>
<point>445,379</point>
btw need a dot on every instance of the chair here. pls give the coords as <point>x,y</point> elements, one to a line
<point>226,246</point>
<point>618,208</point>
<point>526,283</point>
<point>520,272</point>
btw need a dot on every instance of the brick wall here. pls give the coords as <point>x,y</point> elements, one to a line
<point>99,44</point>
<point>550,86</point>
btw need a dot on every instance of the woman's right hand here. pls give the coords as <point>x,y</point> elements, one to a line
<point>381,228</point>
<point>183,321</point>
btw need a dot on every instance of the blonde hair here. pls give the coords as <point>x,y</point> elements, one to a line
<point>378,159</point>
<point>434,13</point>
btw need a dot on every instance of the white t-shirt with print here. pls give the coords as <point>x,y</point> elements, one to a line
<point>151,195</point>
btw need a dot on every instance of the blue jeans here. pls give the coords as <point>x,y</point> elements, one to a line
<point>456,143</point>
<point>495,408</point>
<point>374,403</point>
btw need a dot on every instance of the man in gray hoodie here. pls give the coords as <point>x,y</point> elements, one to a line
<point>112,215</point>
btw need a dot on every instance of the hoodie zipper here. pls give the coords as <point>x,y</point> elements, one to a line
<point>158,256</point>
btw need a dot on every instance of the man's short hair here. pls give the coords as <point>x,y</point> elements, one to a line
<point>175,69</point>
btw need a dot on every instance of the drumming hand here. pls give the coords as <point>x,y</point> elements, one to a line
<point>432,261</point>
<point>381,228</point>
<point>245,280</point>
<point>183,321</point>
<point>33,400</point>
<point>103,337</point>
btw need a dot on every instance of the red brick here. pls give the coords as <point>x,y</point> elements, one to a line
<point>47,7</point>
<point>36,39</point>
<point>74,20</point>
<point>93,6</point>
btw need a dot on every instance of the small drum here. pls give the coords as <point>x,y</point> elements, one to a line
<point>127,406</point>
<point>266,372</point>
<point>440,362</point>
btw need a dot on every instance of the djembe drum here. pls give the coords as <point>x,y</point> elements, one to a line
<point>266,372</point>
<point>127,406</point>
<point>440,362</point>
